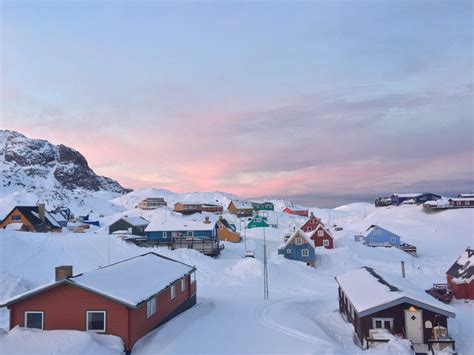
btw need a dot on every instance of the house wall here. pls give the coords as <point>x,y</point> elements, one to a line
<point>318,241</point>
<point>158,235</point>
<point>382,236</point>
<point>295,252</point>
<point>362,325</point>
<point>310,225</point>
<point>461,291</point>
<point>166,308</point>
<point>303,213</point>
<point>8,220</point>
<point>123,225</point>
<point>65,307</point>
<point>227,235</point>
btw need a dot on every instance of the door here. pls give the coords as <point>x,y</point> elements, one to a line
<point>414,325</point>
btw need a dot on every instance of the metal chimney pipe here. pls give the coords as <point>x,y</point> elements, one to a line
<point>402,264</point>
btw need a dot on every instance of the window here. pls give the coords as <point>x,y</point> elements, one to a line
<point>457,203</point>
<point>183,284</point>
<point>151,307</point>
<point>173,291</point>
<point>165,234</point>
<point>320,233</point>
<point>309,229</point>
<point>382,323</point>
<point>298,241</point>
<point>325,243</point>
<point>372,240</point>
<point>95,321</point>
<point>193,277</point>
<point>288,251</point>
<point>304,252</point>
<point>16,217</point>
<point>393,240</point>
<point>190,233</point>
<point>34,320</point>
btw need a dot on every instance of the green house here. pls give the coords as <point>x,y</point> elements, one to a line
<point>258,222</point>
<point>263,206</point>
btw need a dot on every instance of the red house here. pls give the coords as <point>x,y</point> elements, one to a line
<point>311,224</point>
<point>322,237</point>
<point>297,212</point>
<point>127,299</point>
<point>461,276</point>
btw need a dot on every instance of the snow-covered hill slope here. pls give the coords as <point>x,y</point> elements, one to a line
<point>302,313</point>
<point>33,170</point>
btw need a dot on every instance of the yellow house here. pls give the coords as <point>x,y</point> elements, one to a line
<point>226,232</point>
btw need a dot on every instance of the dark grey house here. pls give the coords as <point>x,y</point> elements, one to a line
<point>133,225</point>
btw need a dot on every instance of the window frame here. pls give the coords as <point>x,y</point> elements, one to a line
<point>299,241</point>
<point>183,284</point>
<point>172,292</point>
<point>383,320</point>
<point>165,234</point>
<point>104,330</point>
<point>305,251</point>
<point>16,217</point>
<point>288,251</point>
<point>320,233</point>
<point>151,310</point>
<point>33,312</point>
<point>326,243</point>
<point>371,240</point>
<point>193,277</point>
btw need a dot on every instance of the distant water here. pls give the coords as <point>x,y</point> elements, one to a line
<point>329,201</point>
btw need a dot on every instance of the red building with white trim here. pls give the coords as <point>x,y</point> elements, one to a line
<point>461,276</point>
<point>311,224</point>
<point>127,299</point>
<point>322,237</point>
<point>297,212</point>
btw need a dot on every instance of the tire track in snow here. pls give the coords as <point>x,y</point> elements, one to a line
<point>262,314</point>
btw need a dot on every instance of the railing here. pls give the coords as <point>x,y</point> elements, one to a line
<point>441,344</point>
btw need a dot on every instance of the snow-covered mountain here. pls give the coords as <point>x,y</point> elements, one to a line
<point>33,169</point>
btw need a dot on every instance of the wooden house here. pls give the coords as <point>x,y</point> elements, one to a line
<point>127,299</point>
<point>311,224</point>
<point>299,247</point>
<point>227,231</point>
<point>187,208</point>
<point>31,219</point>
<point>377,236</point>
<point>322,237</point>
<point>461,202</point>
<point>207,207</point>
<point>183,232</point>
<point>240,208</point>
<point>382,201</point>
<point>263,206</point>
<point>297,212</point>
<point>152,203</point>
<point>466,195</point>
<point>418,198</point>
<point>258,222</point>
<point>461,276</point>
<point>132,225</point>
<point>376,305</point>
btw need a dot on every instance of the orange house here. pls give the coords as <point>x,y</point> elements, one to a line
<point>31,219</point>
<point>226,232</point>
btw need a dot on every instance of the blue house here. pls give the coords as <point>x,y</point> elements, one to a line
<point>418,198</point>
<point>377,236</point>
<point>299,247</point>
<point>183,232</point>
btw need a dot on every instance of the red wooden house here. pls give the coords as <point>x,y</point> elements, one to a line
<point>461,276</point>
<point>322,237</point>
<point>127,299</point>
<point>295,211</point>
<point>311,224</point>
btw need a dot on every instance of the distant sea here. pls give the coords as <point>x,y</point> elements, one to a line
<point>329,201</point>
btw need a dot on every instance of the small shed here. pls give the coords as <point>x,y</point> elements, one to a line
<point>263,206</point>
<point>258,222</point>
<point>376,236</point>
<point>322,237</point>
<point>296,211</point>
<point>460,276</point>
<point>240,208</point>
<point>227,231</point>
<point>133,225</point>
<point>299,247</point>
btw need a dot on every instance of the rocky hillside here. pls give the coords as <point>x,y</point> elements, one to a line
<point>36,163</point>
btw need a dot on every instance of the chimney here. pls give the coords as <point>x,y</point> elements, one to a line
<point>206,220</point>
<point>402,264</point>
<point>41,211</point>
<point>63,272</point>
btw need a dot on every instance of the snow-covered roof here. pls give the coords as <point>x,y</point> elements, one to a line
<point>129,282</point>
<point>298,233</point>
<point>241,204</point>
<point>408,195</point>
<point>136,221</point>
<point>172,223</point>
<point>462,270</point>
<point>462,199</point>
<point>466,195</point>
<point>48,216</point>
<point>370,292</point>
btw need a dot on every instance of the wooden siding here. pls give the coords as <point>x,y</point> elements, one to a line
<point>295,252</point>
<point>227,235</point>
<point>382,236</point>
<point>310,225</point>
<point>319,241</point>
<point>461,291</point>
<point>9,220</point>
<point>124,225</point>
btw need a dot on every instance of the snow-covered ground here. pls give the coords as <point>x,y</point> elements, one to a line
<point>231,316</point>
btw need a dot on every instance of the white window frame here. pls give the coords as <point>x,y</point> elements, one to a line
<point>193,277</point>
<point>173,292</point>
<point>393,239</point>
<point>151,307</point>
<point>304,252</point>
<point>288,251</point>
<point>96,330</point>
<point>320,233</point>
<point>309,229</point>
<point>325,243</point>
<point>34,312</point>
<point>165,234</point>
<point>183,284</point>
<point>372,240</point>
<point>298,241</point>
<point>383,320</point>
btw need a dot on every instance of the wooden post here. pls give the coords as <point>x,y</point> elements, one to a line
<point>402,264</point>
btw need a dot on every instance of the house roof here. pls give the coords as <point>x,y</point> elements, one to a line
<point>32,215</point>
<point>409,195</point>
<point>462,270</point>
<point>171,223</point>
<point>374,226</point>
<point>298,233</point>
<point>370,292</point>
<point>227,224</point>
<point>136,221</point>
<point>129,282</point>
<point>242,205</point>
<point>466,195</point>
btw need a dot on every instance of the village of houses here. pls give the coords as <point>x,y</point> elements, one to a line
<point>378,286</point>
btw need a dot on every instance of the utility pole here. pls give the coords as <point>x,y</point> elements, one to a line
<point>265,271</point>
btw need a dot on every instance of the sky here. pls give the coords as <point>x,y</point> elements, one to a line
<point>268,98</point>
